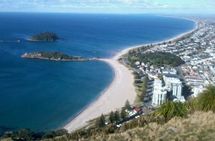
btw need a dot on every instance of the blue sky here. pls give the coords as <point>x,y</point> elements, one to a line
<point>109,6</point>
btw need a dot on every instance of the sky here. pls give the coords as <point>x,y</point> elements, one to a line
<point>109,6</point>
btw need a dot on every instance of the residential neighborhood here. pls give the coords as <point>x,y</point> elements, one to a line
<point>197,50</point>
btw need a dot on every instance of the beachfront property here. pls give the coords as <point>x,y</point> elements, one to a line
<point>168,84</point>
<point>159,93</point>
<point>197,50</point>
<point>198,71</point>
<point>173,84</point>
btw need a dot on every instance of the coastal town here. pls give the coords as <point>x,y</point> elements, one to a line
<point>174,70</point>
<point>169,72</point>
<point>181,81</point>
<point>107,70</point>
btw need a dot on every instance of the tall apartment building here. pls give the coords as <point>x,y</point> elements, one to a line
<point>159,93</point>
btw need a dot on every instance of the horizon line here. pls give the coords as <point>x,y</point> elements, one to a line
<point>109,13</point>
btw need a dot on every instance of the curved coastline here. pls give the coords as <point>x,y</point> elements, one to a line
<point>121,88</point>
<point>112,98</point>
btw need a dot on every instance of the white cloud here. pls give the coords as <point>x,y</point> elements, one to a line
<point>111,5</point>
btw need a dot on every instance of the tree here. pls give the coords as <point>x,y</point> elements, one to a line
<point>156,59</point>
<point>123,114</point>
<point>101,121</point>
<point>111,117</point>
<point>144,88</point>
<point>127,105</point>
<point>116,116</point>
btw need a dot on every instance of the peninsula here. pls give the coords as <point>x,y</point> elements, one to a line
<point>53,56</point>
<point>44,37</point>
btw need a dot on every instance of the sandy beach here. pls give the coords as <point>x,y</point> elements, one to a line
<point>120,90</point>
<point>113,98</point>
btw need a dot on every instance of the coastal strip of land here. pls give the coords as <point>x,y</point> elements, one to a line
<point>113,98</point>
<point>119,91</point>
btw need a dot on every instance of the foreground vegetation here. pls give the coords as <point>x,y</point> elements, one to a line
<point>199,126</point>
<point>192,121</point>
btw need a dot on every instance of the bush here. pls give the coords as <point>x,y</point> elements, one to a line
<point>172,109</point>
<point>204,102</point>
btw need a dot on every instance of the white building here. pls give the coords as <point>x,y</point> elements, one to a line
<point>173,84</point>
<point>177,89</point>
<point>171,71</point>
<point>197,90</point>
<point>159,93</point>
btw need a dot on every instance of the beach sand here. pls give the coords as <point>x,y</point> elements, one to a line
<point>120,90</point>
<point>113,98</point>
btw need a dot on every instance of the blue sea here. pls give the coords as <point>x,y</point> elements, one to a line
<point>45,95</point>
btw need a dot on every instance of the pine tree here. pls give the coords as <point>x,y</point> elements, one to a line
<point>123,114</point>
<point>127,105</point>
<point>112,117</point>
<point>116,116</point>
<point>101,121</point>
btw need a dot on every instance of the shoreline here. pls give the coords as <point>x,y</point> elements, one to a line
<point>121,88</point>
<point>176,37</point>
<point>112,98</point>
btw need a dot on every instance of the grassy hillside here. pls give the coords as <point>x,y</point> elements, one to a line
<point>197,127</point>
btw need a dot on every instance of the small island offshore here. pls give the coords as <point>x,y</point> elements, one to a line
<point>44,37</point>
<point>54,56</point>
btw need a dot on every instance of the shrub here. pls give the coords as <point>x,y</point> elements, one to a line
<point>205,101</point>
<point>172,109</point>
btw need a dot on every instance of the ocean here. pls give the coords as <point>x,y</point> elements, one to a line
<point>44,95</point>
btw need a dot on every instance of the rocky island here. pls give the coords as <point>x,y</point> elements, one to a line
<point>54,56</point>
<point>44,37</point>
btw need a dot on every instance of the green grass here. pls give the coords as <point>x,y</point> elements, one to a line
<point>172,109</point>
<point>204,102</point>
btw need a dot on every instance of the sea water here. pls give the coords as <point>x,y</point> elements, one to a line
<point>45,95</point>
